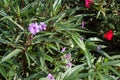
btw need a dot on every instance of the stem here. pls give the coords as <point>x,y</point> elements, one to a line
<point>22,3</point>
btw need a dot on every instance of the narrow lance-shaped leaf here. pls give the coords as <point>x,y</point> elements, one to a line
<point>105,54</point>
<point>3,72</point>
<point>111,63</point>
<point>10,55</point>
<point>56,6</point>
<point>72,71</point>
<point>10,19</point>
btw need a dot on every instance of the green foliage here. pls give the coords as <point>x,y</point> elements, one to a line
<point>92,56</point>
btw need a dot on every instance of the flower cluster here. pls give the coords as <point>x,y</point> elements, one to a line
<point>35,27</point>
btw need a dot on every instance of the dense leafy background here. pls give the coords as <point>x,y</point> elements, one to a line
<point>23,58</point>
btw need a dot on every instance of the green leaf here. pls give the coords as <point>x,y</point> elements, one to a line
<point>39,76</point>
<point>111,26</point>
<point>10,55</point>
<point>14,22</point>
<point>18,37</point>
<point>102,77</point>
<point>3,13</point>
<point>49,58</point>
<point>98,14</point>
<point>70,74</point>
<point>84,75</point>
<point>115,71</point>
<point>44,79</point>
<point>39,40</point>
<point>116,56</point>
<point>93,39</point>
<point>110,63</point>
<point>3,72</point>
<point>106,77</point>
<point>28,59</point>
<point>104,53</point>
<point>78,41</point>
<point>88,57</point>
<point>3,41</point>
<point>56,6</point>
<point>28,6</point>
<point>12,71</point>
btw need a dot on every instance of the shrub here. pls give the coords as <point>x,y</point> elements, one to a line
<point>59,39</point>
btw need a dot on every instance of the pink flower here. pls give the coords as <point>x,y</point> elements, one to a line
<point>50,76</point>
<point>69,64</point>
<point>63,49</point>
<point>83,23</point>
<point>109,35</point>
<point>68,56</point>
<point>98,47</point>
<point>88,3</point>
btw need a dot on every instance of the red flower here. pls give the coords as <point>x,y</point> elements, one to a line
<point>88,3</point>
<point>109,35</point>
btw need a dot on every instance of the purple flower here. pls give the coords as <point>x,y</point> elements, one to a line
<point>33,28</point>
<point>68,56</point>
<point>42,26</point>
<point>63,49</point>
<point>83,24</point>
<point>69,64</point>
<point>98,47</point>
<point>50,76</point>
